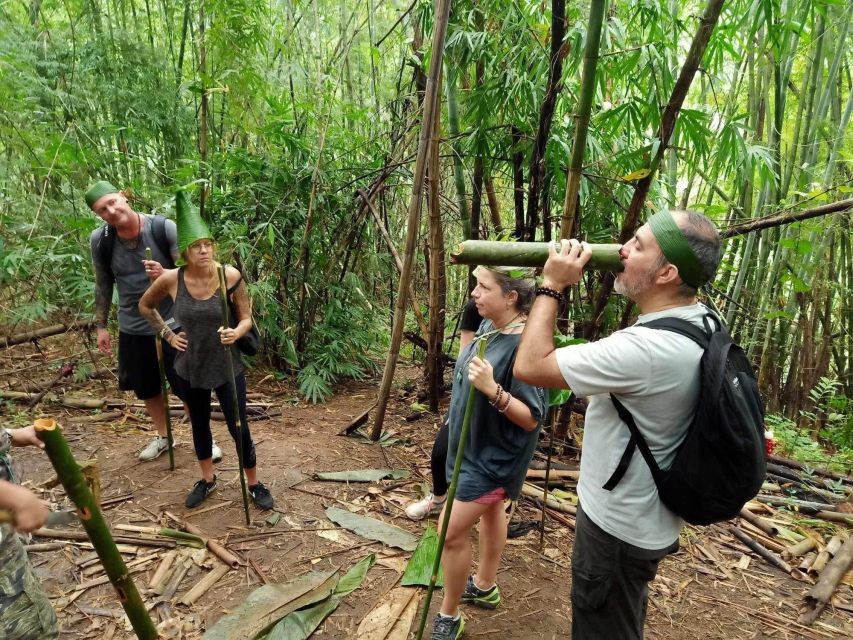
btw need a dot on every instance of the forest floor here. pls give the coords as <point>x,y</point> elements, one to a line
<point>723,595</point>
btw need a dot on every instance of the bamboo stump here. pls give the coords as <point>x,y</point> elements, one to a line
<point>96,527</point>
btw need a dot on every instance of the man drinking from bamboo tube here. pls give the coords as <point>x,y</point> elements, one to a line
<point>623,533</point>
<point>25,611</point>
<point>118,256</point>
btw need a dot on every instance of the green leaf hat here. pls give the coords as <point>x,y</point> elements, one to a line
<point>191,228</point>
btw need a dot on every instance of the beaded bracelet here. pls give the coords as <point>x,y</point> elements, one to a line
<point>551,293</point>
<point>506,406</point>
<point>497,398</point>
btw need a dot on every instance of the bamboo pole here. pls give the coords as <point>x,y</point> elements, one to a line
<point>223,299</point>
<point>213,546</point>
<point>442,15</point>
<point>96,527</point>
<point>819,595</point>
<point>203,586</point>
<point>451,495</point>
<point>528,254</point>
<point>164,387</point>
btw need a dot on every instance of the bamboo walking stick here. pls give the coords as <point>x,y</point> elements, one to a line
<point>164,387</point>
<point>552,413</point>
<point>223,291</point>
<point>451,494</point>
<point>96,527</point>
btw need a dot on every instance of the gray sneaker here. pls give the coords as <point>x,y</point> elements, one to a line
<point>155,448</point>
<point>447,628</point>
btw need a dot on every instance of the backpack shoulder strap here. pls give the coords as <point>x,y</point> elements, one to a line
<point>230,291</point>
<point>637,441</point>
<point>681,327</point>
<point>158,230</point>
<point>106,244</point>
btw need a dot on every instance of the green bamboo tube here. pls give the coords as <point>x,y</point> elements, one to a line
<point>223,298</point>
<point>451,494</point>
<point>164,387</point>
<point>69,474</point>
<point>605,257</point>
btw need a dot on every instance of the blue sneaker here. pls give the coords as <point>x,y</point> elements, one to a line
<point>484,599</point>
<point>444,628</point>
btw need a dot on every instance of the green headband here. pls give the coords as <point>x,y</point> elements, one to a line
<point>98,191</point>
<point>676,248</point>
<point>191,227</point>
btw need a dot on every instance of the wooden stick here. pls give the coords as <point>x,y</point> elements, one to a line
<point>765,525</point>
<point>80,535</point>
<point>818,472</point>
<point>767,555</point>
<point>807,561</point>
<point>175,581</point>
<point>564,474</point>
<point>799,549</point>
<point>162,569</point>
<point>203,586</point>
<point>212,545</point>
<point>819,595</point>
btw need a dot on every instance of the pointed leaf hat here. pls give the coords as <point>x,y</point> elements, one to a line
<point>191,227</point>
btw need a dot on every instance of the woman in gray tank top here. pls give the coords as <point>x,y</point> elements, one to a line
<point>201,361</point>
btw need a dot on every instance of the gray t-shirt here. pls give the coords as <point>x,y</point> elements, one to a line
<point>128,274</point>
<point>655,374</point>
<point>498,450</point>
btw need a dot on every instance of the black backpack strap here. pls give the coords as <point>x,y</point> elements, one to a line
<point>682,327</point>
<point>105,245</point>
<point>637,441</point>
<point>230,291</point>
<point>158,230</point>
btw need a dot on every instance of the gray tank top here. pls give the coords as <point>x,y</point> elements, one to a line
<point>203,364</point>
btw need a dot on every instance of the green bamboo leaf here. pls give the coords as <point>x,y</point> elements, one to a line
<point>419,568</point>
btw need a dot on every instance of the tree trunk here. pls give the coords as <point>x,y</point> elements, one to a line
<point>668,119</point>
<point>437,284</point>
<point>590,63</point>
<point>430,105</point>
<point>546,116</point>
<point>517,181</point>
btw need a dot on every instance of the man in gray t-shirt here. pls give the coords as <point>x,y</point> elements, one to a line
<point>119,259</point>
<point>623,533</point>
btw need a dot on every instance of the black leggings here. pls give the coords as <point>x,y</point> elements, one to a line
<point>438,460</point>
<point>198,401</point>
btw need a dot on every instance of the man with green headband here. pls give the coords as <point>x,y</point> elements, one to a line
<point>119,258</point>
<point>623,529</point>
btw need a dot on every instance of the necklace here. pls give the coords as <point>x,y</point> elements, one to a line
<point>489,337</point>
<point>131,244</point>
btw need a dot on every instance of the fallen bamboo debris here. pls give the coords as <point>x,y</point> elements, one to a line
<point>825,554</point>
<point>763,552</point>
<point>765,525</point>
<point>216,548</point>
<point>819,596</point>
<point>205,584</point>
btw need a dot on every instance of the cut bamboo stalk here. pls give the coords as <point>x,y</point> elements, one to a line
<point>553,503</point>
<point>836,516</point>
<point>81,536</point>
<point>96,527</point>
<point>799,549</point>
<point>807,561</point>
<point>44,546</point>
<point>758,535</point>
<point>765,525</point>
<point>162,569</point>
<point>180,537</point>
<point>823,557</point>
<point>528,254</point>
<point>131,569</point>
<point>213,546</point>
<point>177,577</point>
<point>538,474</point>
<point>764,553</point>
<point>819,595</point>
<point>818,472</point>
<point>204,585</point>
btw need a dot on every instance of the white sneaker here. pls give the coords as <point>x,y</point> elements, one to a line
<point>217,453</point>
<point>155,448</point>
<point>424,507</point>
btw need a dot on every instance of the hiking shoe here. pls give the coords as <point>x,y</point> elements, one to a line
<point>201,490</point>
<point>423,508</point>
<point>473,594</point>
<point>155,448</point>
<point>217,453</point>
<point>444,628</point>
<point>261,496</point>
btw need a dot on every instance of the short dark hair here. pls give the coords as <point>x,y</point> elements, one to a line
<point>704,239</point>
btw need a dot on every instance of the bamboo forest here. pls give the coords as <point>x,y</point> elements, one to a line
<point>401,319</point>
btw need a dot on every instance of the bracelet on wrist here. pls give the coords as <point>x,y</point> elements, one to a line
<point>508,401</point>
<point>494,401</point>
<point>551,293</point>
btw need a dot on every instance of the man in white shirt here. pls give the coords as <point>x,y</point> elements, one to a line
<point>623,533</point>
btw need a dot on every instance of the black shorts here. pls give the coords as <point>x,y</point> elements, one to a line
<point>138,370</point>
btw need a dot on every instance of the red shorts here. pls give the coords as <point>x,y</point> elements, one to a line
<point>496,495</point>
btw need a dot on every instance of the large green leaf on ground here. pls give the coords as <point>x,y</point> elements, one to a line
<point>299,625</point>
<point>419,569</point>
<point>373,529</point>
<point>271,602</point>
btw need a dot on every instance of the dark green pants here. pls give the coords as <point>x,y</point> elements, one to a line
<point>610,583</point>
